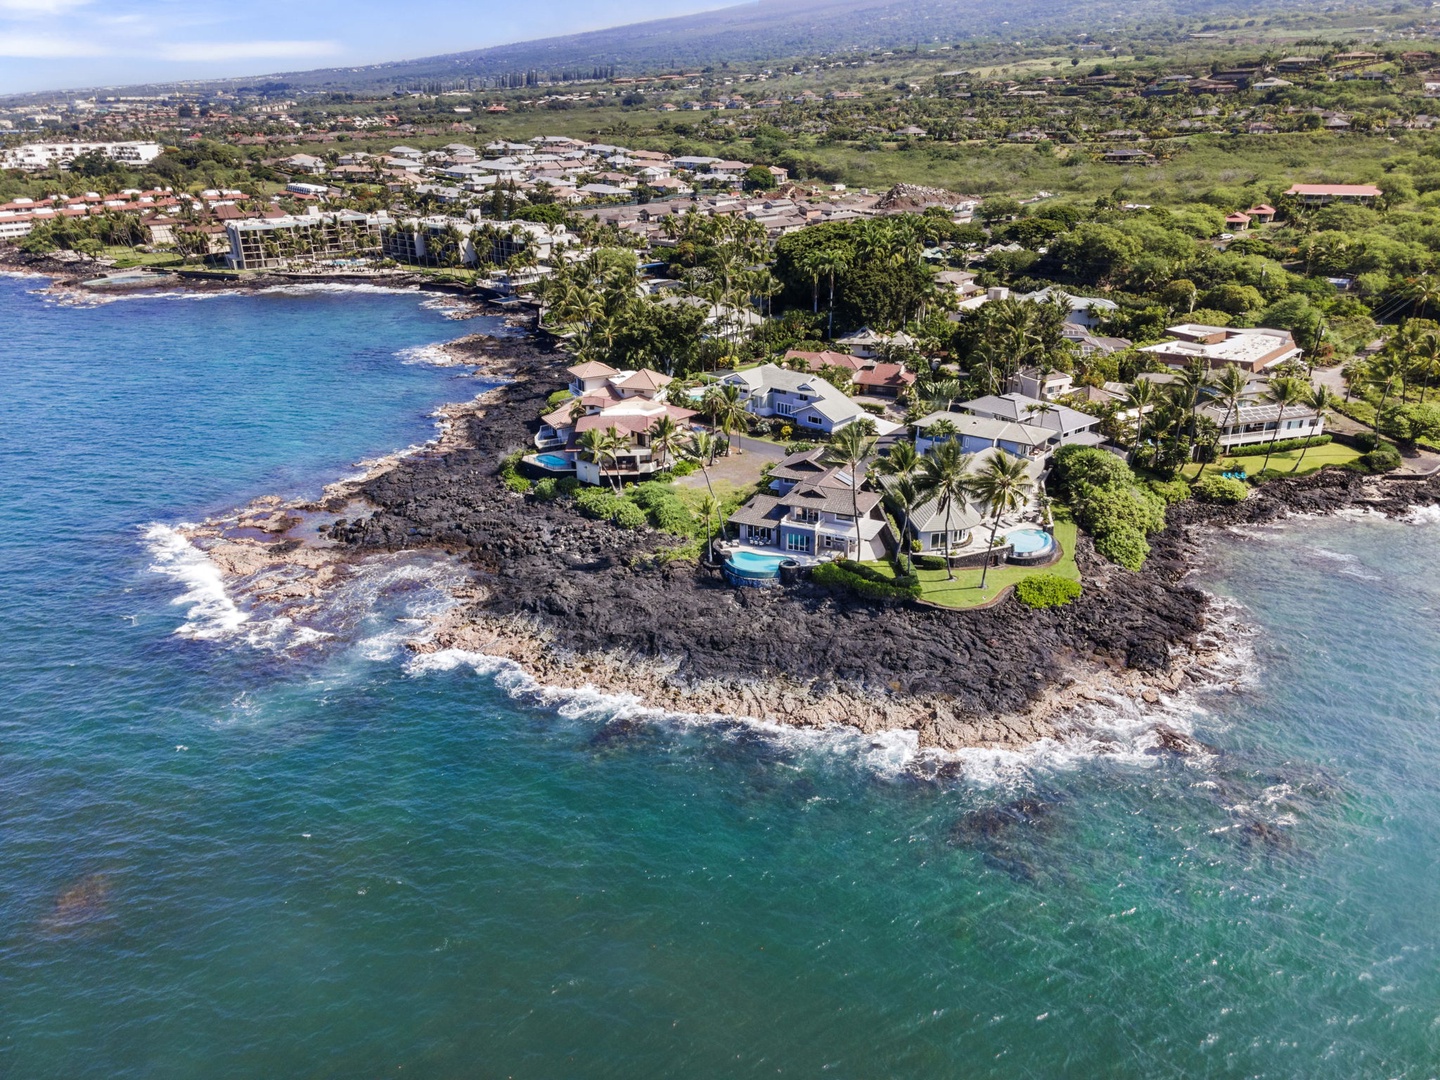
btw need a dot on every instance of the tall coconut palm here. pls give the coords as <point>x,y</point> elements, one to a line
<point>1002,487</point>
<point>1230,388</point>
<point>600,446</point>
<point>831,262</point>
<point>1284,393</point>
<point>1322,400</point>
<point>944,476</point>
<point>731,416</point>
<point>849,448</point>
<point>904,493</point>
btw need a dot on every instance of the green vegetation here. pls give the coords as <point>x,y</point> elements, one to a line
<point>1383,458</point>
<point>1286,462</point>
<point>1046,591</point>
<point>1107,499</point>
<point>1220,489</point>
<point>867,580</point>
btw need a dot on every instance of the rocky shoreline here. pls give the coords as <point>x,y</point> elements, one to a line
<point>579,603</point>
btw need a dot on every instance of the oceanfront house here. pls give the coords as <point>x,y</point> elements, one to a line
<point>812,513</point>
<point>1069,427</point>
<point>931,528</point>
<point>979,433</point>
<point>801,399</point>
<point>1045,386</point>
<point>1259,423</point>
<point>626,404</point>
<point>1250,349</point>
<point>1321,194</point>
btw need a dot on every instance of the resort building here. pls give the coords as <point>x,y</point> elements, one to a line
<point>1251,348</point>
<point>36,156</point>
<point>274,243</point>
<point>1321,194</point>
<point>802,399</point>
<point>812,512</point>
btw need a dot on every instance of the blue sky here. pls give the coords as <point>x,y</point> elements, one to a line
<point>54,44</point>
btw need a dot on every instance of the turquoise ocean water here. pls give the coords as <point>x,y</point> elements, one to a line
<point>229,853</point>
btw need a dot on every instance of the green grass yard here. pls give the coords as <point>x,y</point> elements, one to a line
<point>1315,457</point>
<point>965,591</point>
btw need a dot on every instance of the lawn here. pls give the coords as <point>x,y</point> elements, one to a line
<point>1315,457</point>
<point>965,592</point>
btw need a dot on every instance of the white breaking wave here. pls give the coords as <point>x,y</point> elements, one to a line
<point>434,355</point>
<point>312,288</point>
<point>1422,515</point>
<point>211,613</point>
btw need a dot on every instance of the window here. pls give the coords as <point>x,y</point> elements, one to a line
<point>937,540</point>
<point>807,515</point>
<point>784,408</point>
<point>797,542</point>
<point>759,535</point>
<point>813,420</point>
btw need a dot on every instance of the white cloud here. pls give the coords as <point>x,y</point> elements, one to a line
<point>45,47</point>
<point>220,51</point>
<point>38,8</point>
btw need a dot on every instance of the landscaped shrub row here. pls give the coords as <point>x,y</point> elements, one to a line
<point>1046,590</point>
<point>1282,446</point>
<point>866,581</point>
<point>1109,503</point>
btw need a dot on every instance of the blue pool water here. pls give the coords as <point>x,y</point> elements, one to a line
<point>554,461</point>
<point>747,562</point>
<point>227,861</point>
<point>1029,541</point>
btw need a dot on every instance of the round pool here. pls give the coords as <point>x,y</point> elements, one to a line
<point>1027,542</point>
<point>554,461</point>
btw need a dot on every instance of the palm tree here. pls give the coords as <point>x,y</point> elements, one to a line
<point>904,492</point>
<point>700,448</point>
<point>831,261</point>
<point>1321,399</point>
<point>731,414</point>
<point>1002,487</point>
<point>1140,396</point>
<point>1285,393</point>
<point>945,478</point>
<point>1230,387</point>
<point>599,445</point>
<point>849,447</point>
<point>664,438</point>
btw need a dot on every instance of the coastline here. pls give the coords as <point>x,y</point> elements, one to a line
<point>583,606</point>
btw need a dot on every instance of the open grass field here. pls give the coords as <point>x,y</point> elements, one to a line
<point>1315,458</point>
<point>965,591</point>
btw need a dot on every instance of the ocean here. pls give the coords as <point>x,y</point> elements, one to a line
<point>235,849</point>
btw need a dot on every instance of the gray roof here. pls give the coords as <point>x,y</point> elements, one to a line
<point>1028,410</point>
<point>984,427</point>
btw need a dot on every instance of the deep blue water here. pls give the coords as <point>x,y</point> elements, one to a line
<point>358,868</point>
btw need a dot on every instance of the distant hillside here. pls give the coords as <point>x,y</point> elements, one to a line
<point>769,30</point>
<point>774,29</point>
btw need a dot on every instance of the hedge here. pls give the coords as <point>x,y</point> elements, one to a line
<point>1046,591</point>
<point>866,581</point>
<point>1282,446</point>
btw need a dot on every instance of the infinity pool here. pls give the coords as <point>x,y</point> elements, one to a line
<point>753,565</point>
<point>1029,541</point>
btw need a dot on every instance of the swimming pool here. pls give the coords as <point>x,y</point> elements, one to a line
<point>1029,541</point>
<point>750,564</point>
<point>553,461</point>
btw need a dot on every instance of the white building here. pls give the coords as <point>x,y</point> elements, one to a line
<point>804,400</point>
<point>36,156</point>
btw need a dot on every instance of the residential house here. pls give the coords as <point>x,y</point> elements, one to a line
<point>628,403</point>
<point>883,380</point>
<point>1321,194</point>
<point>977,433</point>
<point>866,343</point>
<point>812,512</point>
<point>1067,426</point>
<point>803,399</point>
<point>1086,311</point>
<point>1258,422</point>
<point>1043,385</point>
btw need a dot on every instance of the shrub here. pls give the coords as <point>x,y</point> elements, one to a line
<point>650,494</point>
<point>568,485</point>
<point>629,516</point>
<point>1046,591</point>
<point>1409,424</point>
<point>1089,465</point>
<point>558,398</point>
<point>515,482</point>
<point>1125,546</point>
<point>1170,491</point>
<point>1282,446</point>
<point>547,489</point>
<point>865,581</point>
<point>1220,489</point>
<point>596,502</point>
<point>672,516</point>
<point>1383,458</point>
<point>683,468</point>
<point>930,562</point>
<point>1366,441</point>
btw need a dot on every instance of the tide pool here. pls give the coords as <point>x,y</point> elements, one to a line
<point>228,859</point>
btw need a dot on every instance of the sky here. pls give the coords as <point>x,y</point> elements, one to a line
<point>58,44</point>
